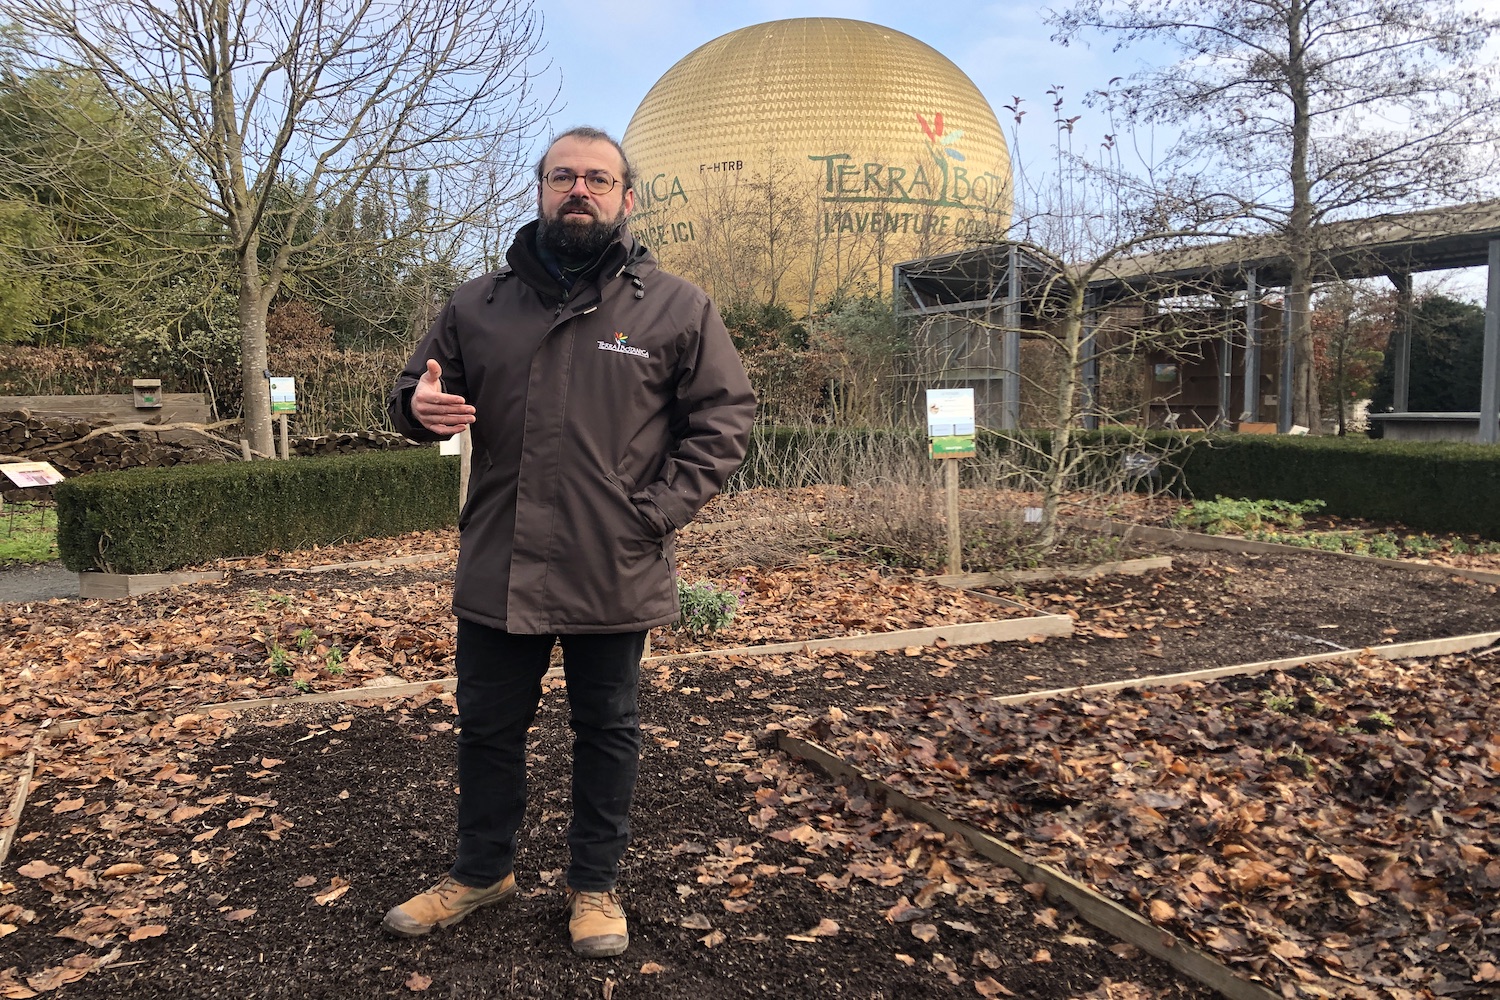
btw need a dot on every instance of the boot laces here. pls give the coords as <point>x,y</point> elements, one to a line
<point>607,903</point>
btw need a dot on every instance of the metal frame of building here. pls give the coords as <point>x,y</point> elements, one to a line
<point>1005,277</point>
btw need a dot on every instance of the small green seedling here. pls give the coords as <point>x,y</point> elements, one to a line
<point>1285,704</point>
<point>279,665</point>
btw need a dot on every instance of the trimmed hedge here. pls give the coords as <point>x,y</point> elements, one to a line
<point>1425,485</point>
<point>155,520</point>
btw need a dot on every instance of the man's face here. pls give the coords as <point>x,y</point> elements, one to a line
<point>578,222</point>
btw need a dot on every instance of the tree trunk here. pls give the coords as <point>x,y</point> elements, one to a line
<point>1054,480</point>
<point>1305,406</point>
<point>254,363</point>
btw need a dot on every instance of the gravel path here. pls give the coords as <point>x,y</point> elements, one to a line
<point>37,583</point>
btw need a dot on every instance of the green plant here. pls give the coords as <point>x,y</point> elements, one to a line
<point>1300,762</point>
<point>705,607</point>
<point>333,660</point>
<point>302,686</point>
<point>1421,545</point>
<point>305,639</point>
<point>28,534</point>
<point>1223,514</point>
<point>284,600</point>
<point>1285,704</point>
<point>279,665</point>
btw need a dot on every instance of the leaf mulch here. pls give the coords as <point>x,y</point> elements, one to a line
<point>225,854</point>
<point>1333,829</point>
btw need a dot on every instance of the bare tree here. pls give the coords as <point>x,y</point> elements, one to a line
<point>276,112</point>
<point>1321,109</point>
<point>1087,238</point>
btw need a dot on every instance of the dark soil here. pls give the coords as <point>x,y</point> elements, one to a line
<point>371,803</point>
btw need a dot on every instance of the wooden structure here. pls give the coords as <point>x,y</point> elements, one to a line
<point>126,407</point>
<point>985,292</point>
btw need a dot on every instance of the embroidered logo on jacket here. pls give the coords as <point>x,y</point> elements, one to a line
<point>621,345</point>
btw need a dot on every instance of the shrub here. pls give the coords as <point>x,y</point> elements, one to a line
<point>154,520</point>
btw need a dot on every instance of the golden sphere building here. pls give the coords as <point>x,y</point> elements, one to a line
<point>796,161</point>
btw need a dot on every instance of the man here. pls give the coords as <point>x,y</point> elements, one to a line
<point>607,405</point>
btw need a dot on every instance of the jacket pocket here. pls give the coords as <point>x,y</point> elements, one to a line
<point>624,486</point>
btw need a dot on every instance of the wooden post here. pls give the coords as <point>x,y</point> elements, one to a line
<point>955,542</point>
<point>465,462</point>
<point>285,446</point>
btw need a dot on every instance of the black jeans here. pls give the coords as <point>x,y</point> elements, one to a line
<point>499,688</point>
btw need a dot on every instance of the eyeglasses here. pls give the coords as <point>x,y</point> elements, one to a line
<point>562,179</point>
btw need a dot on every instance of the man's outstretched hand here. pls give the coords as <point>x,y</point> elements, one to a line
<point>437,410</point>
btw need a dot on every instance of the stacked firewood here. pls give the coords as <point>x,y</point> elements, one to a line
<point>75,446</point>
<point>347,442</point>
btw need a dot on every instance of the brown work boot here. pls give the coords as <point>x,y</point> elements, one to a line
<point>596,922</point>
<point>444,905</point>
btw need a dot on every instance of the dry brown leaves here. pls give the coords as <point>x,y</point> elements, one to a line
<point>130,789</point>
<point>192,646</point>
<point>823,598</point>
<point>1334,833</point>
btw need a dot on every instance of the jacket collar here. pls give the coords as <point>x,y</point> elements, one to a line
<point>624,253</point>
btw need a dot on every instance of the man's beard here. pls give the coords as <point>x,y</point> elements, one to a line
<point>572,240</point>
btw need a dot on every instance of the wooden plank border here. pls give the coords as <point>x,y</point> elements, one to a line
<point>1232,543</point>
<point>973,632</point>
<point>18,803</point>
<point>113,586</point>
<point>1126,567</point>
<point>1000,630</point>
<point>1098,910</point>
<point>1395,651</point>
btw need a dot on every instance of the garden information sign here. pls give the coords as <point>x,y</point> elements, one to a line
<point>283,395</point>
<point>950,435</point>
<point>283,403</point>
<point>28,474</point>
<point>950,423</point>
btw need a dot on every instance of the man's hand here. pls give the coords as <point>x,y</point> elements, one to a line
<point>437,410</point>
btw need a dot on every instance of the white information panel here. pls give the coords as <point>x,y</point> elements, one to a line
<point>950,412</point>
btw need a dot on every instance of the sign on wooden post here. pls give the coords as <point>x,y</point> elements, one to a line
<point>950,436</point>
<point>283,403</point>
<point>950,423</point>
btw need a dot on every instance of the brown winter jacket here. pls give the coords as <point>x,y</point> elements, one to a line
<point>606,416</point>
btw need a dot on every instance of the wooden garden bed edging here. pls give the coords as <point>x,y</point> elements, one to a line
<point>13,814</point>
<point>1001,630</point>
<point>1394,651</point>
<point>1098,910</point>
<point>973,632</point>
<point>1127,567</point>
<point>114,586</point>
<point>111,586</point>
<point>1233,543</point>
